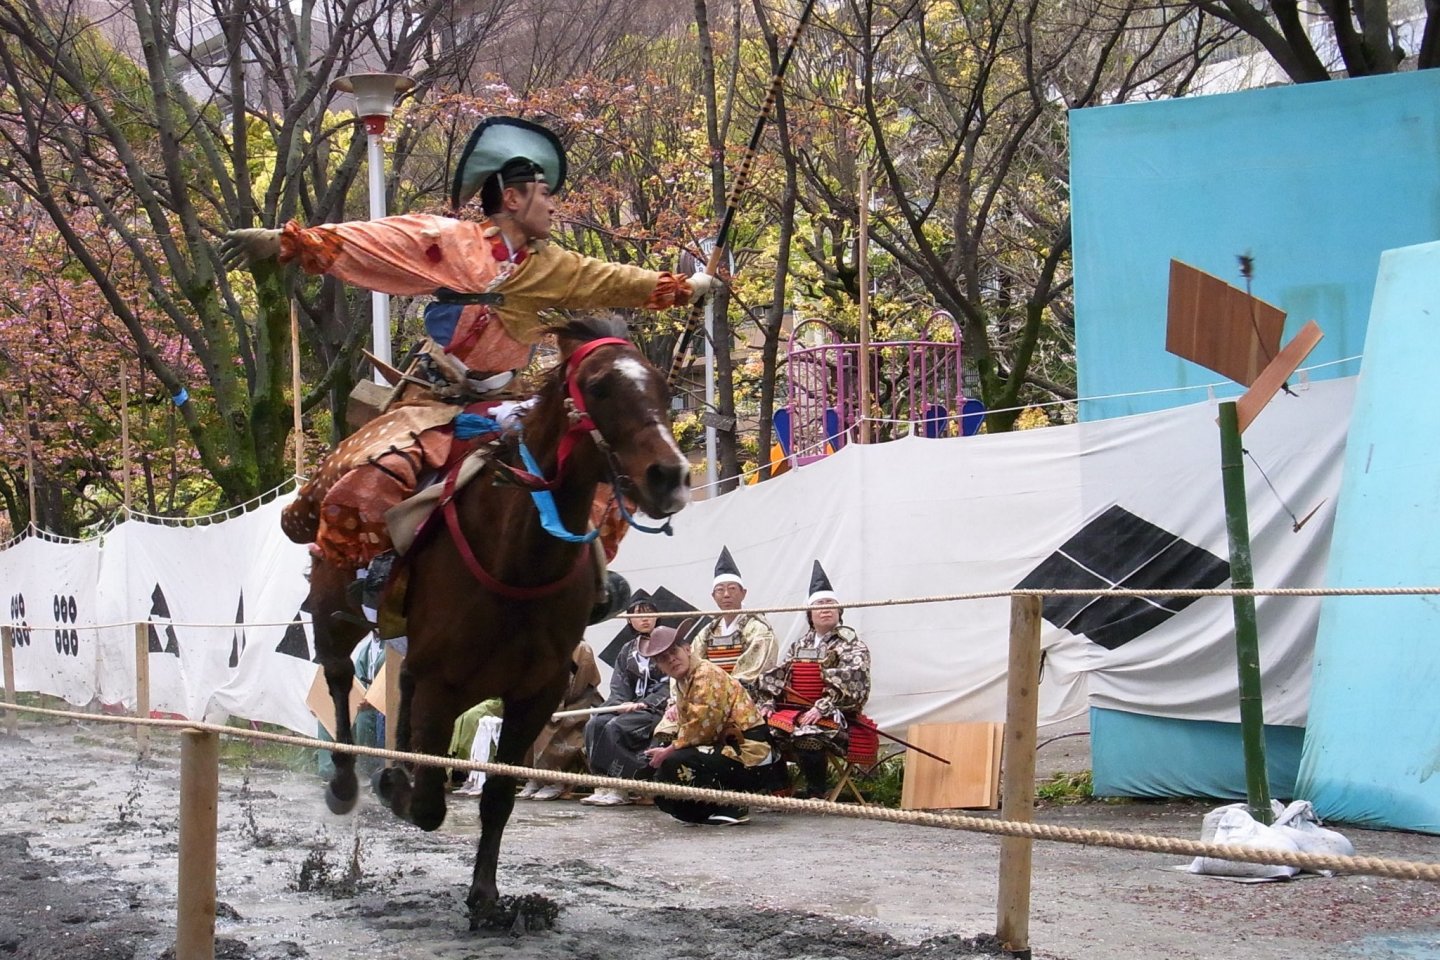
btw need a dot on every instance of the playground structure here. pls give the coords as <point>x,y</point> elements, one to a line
<point>916,388</point>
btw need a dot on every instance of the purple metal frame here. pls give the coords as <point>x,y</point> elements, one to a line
<point>917,384</point>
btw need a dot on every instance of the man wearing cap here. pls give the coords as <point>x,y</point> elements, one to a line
<point>814,696</point>
<point>615,742</point>
<point>710,748</point>
<point>741,644</point>
<point>490,280</point>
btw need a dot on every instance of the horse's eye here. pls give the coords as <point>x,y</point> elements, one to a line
<point>599,389</point>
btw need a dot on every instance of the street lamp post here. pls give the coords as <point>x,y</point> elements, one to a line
<point>375,95</point>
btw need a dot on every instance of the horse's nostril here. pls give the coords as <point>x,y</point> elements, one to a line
<point>664,477</point>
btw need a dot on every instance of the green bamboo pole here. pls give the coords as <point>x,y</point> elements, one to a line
<point>1247,635</point>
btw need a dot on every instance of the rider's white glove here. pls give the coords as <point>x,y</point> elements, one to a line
<point>701,284</point>
<point>251,245</point>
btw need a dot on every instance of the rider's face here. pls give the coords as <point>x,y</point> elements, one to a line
<point>531,208</point>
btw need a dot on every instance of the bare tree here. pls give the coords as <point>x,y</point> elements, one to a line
<point>964,109</point>
<point>1366,37</point>
<point>173,123</point>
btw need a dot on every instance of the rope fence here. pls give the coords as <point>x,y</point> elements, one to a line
<point>1152,592</point>
<point>1148,843</point>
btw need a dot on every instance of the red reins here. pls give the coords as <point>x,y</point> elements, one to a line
<point>580,424</point>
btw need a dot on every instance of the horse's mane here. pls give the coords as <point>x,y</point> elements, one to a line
<point>591,327</point>
<point>584,329</point>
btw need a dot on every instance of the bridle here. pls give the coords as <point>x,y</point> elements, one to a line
<point>532,478</point>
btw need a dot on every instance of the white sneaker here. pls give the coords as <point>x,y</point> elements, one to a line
<point>606,798</point>
<point>551,791</point>
<point>529,790</point>
<point>724,820</point>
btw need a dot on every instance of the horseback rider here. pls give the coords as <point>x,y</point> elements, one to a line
<point>490,279</point>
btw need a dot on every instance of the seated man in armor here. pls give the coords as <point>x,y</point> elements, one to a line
<point>491,279</point>
<point>741,644</point>
<point>815,695</point>
<point>713,745</point>
<point>615,743</point>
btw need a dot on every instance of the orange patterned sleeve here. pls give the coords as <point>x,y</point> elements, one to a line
<point>671,290</point>
<point>405,255</point>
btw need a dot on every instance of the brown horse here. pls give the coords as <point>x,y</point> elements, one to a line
<point>508,628</point>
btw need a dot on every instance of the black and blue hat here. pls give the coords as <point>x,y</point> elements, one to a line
<point>504,151</point>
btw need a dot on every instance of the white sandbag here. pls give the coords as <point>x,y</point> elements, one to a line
<point>1237,828</point>
<point>1299,823</point>
<point>1212,819</point>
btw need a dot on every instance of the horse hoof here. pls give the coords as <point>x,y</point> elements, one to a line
<point>340,805</point>
<point>386,783</point>
<point>425,818</point>
<point>530,913</point>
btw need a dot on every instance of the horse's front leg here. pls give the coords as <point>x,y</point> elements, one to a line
<point>426,723</point>
<point>524,719</point>
<point>335,640</point>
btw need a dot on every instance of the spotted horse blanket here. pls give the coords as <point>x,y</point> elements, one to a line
<point>376,471</point>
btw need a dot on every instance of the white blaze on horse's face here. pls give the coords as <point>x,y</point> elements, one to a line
<point>634,371</point>
<point>662,483</point>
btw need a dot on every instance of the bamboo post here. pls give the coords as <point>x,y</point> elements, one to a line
<point>142,687</point>
<point>125,437</point>
<point>30,461</point>
<point>394,663</point>
<point>199,804</point>
<point>7,644</point>
<point>299,427</point>
<point>1247,634</point>
<point>1022,707</point>
<point>864,265</point>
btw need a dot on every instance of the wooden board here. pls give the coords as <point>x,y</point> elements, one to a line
<point>1279,370</point>
<point>375,695</point>
<point>320,704</point>
<point>1220,327</point>
<point>972,779</point>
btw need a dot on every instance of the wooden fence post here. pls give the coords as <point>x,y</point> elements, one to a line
<point>7,643</point>
<point>142,687</point>
<point>1018,774</point>
<point>199,803</point>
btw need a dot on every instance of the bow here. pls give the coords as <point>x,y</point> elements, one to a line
<point>732,200</point>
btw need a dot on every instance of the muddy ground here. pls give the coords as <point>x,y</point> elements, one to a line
<point>88,844</point>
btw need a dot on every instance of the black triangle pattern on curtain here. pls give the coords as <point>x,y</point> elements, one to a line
<point>1117,550</point>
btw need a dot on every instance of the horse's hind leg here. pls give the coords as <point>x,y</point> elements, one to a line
<point>335,641</point>
<point>524,719</point>
<point>392,784</point>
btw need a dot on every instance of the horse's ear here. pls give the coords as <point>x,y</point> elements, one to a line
<point>578,330</point>
<point>568,340</point>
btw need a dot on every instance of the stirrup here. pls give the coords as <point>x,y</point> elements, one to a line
<point>614,600</point>
<point>376,573</point>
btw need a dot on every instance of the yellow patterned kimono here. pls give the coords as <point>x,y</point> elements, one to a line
<point>745,651</point>
<point>711,709</point>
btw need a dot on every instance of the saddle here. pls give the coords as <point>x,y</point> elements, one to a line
<point>343,508</point>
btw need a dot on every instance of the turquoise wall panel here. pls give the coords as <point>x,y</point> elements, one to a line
<point>1372,746</point>
<point>1134,755</point>
<point>1313,181</point>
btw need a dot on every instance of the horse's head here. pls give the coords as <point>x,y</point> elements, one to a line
<point>626,398</point>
